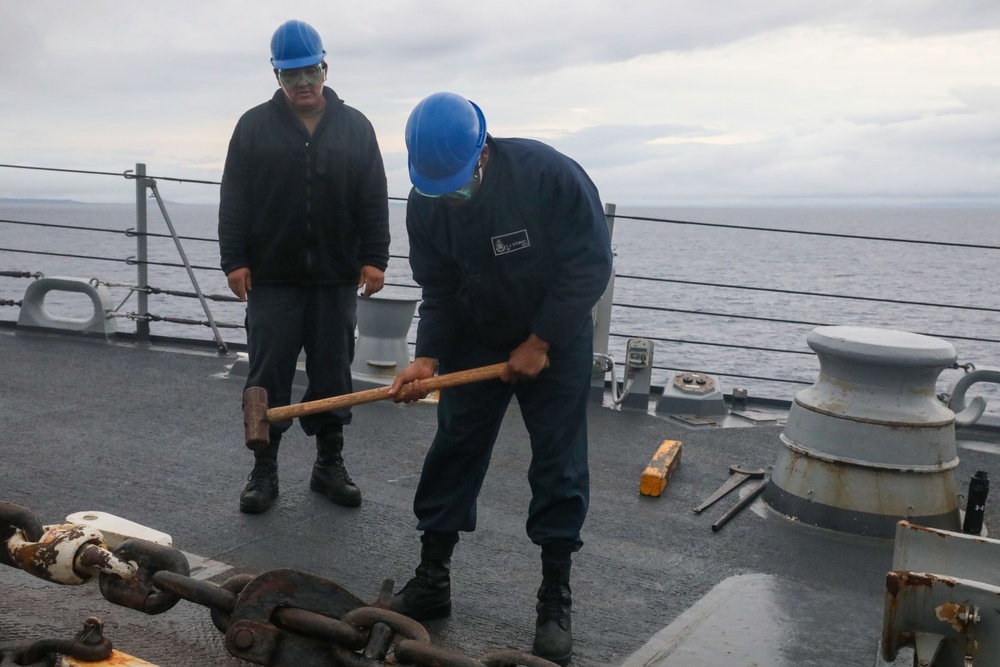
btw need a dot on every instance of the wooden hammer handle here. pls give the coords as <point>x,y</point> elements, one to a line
<point>371,395</point>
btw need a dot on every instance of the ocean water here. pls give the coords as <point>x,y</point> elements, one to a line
<point>756,340</point>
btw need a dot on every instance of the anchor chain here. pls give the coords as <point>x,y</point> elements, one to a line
<point>280,618</point>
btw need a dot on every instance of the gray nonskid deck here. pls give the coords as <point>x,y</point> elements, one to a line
<point>156,437</point>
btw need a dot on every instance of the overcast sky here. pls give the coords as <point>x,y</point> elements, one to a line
<point>664,102</point>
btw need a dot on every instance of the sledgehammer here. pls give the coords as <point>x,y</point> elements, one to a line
<point>257,417</point>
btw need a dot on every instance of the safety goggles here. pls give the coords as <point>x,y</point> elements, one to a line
<point>292,77</point>
<point>464,193</point>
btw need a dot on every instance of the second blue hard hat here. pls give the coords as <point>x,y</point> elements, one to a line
<point>445,134</point>
<point>296,44</point>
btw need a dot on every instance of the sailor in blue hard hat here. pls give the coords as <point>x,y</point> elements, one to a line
<point>297,57</point>
<point>304,222</point>
<point>508,242</point>
<point>446,144</point>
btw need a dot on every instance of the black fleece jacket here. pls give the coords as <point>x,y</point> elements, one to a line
<point>301,210</point>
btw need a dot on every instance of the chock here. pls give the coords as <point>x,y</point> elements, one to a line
<point>661,467</point>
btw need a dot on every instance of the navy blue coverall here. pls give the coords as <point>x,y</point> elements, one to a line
<point>529,253</point>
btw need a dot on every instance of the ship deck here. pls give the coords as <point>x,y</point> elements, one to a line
<point>153,434</point>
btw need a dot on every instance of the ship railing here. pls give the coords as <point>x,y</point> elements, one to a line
<point>633,309</point>
<point>974,350</point>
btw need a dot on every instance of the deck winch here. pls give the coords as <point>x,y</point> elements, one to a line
<point>869,443</point>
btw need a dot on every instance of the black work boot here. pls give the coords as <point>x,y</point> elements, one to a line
<point>262,482</point>
<point>329,476</point>
<point>553,629</point>
<point>428,595</point>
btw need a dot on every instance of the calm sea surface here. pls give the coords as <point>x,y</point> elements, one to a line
<point>741,340</point>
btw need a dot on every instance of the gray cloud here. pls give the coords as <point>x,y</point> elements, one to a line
<point>662,101</point>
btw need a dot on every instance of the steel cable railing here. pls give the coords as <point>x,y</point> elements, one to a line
<point>776,290</point>
<point>778,320</point>
<point>618,276</point>
<point>620,305</point>
<point>776,230</point>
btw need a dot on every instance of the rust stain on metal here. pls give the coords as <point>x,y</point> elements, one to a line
<point>791,469</point>
<point>893,584</point>
<point>925,529</point>
<point>839,484</point>
<point>91,556</point>
<point>903,579</point>
<point>930,580</point>
<point>951,613</point>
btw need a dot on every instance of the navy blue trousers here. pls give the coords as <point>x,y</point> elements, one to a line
<point>281,322</point>
<point>554,408</point>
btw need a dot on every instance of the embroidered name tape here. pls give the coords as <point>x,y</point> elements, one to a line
<point>508,243</point>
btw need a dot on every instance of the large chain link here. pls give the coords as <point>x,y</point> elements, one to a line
<point>13,519</point>
<point>280,618</point>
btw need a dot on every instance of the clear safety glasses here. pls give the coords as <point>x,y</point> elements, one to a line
<point>464,193</point>
<point>292,77</point>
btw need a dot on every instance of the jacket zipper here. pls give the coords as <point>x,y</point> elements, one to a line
<point>309,223</point>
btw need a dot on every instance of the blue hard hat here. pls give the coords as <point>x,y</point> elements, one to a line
<point>295,44</point>
<point>445,134</point>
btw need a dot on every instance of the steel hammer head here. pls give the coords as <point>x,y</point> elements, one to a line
<point>258,429</point>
